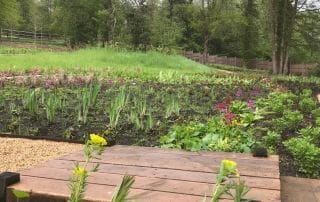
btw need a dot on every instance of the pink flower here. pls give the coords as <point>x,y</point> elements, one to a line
<point>49,83</point>
<point>228,117</point>
<point>239,93</point>
<point>222,107</point>
<point>251,104</point>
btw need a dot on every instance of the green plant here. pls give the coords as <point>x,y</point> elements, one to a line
<point>88,98</point>
<point>68,133</point>
<point>290,120</point>
<point>272,139</point>
<point>172,107</point>
<point>318,121</point>
<point>78,182</point>
<point>312,133</point>
<point>20,195</point>
<point>214,135</point>
<point>228,182</point>
<point>116,107</point>
<point>30,101</point>
<point>315,113</point>
<point>307,104</point>
<point>122,191</point>
<point>306,93</point>
<point>2,101</point>
<point>53,103</point>
<point>278,102</point>
<point>140,114</point>
<point>306,156</point>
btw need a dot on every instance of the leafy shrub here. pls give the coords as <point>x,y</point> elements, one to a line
<point>315,71</point>
<point>215,135</point>
<point>307,103</point>
<point>272,139</point>
<point>316,113</point>
<point>306,93</point>
<point>290,120</point>
<point>313,133</point>
<point>278,101</point>
<point>306,156</point>
<point>318,121</point>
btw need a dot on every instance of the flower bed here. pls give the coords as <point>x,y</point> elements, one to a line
<point>217,113</point>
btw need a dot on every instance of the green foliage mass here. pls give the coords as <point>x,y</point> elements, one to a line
<point>306,155</point>
<point>214,135</point>
<point>229,28</point>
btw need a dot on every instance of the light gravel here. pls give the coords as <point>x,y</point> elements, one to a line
<point>17,154</point>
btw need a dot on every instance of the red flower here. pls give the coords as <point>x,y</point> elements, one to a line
<point>222,107</point>
<point>228,117</point>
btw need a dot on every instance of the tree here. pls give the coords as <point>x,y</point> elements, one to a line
<point>108,20</point>
<point>250,33</point>
<point>8,13</point>
<point>165,32</point>
<point>139,16</point>
<point>282,18</point>
<point>78,19</point>
<point>45,11</point>
<point>29,19</point>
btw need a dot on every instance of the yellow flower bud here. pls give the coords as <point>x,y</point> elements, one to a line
<point>230,168</point>
<point>79,171</point>
<point>97,140</point>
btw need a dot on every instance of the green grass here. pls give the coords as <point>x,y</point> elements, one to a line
<point>101,60</point>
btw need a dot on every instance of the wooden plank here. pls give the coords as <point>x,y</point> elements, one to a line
<point>191,176</point>
<point>231,155</point>
<point>261,183</point>
<point>151,184</point>
<point>147,183</point>
<point>215,158</point>
<point>193,163</point>
<point>58,188</point>
<point>300,189</point>
<point>161,174</point>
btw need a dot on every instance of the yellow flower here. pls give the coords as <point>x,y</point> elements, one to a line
<point>229,164</point>
<point>79,171</point>
<point>230,168</point>
<point>97,140</point>
<point>236,122</point>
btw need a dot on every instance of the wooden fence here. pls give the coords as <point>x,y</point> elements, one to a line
<point>238,62</point>
<point>31,37</point>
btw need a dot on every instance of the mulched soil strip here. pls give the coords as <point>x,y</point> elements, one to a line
<point>8,135</point>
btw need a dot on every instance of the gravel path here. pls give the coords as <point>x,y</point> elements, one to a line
<point>18,154</point>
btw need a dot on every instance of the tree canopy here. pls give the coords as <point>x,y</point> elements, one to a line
<point>282,30</point>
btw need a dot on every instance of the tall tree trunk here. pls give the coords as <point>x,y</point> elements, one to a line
<point>283,14</point>
<point>205,48</point>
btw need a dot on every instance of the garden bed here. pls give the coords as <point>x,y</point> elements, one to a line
<point>215,112</point>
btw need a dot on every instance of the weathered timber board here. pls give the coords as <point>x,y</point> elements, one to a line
<point>160,174</point>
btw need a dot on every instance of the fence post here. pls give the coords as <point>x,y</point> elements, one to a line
<point>41,37</point>
<point>35,35</point>
<point>11,35</point>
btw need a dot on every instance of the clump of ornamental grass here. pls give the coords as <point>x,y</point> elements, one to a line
<point>78,182</point>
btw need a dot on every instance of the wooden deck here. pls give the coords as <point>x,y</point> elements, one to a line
<point>161,175</point>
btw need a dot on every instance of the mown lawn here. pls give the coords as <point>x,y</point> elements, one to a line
<point>100,59</point>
